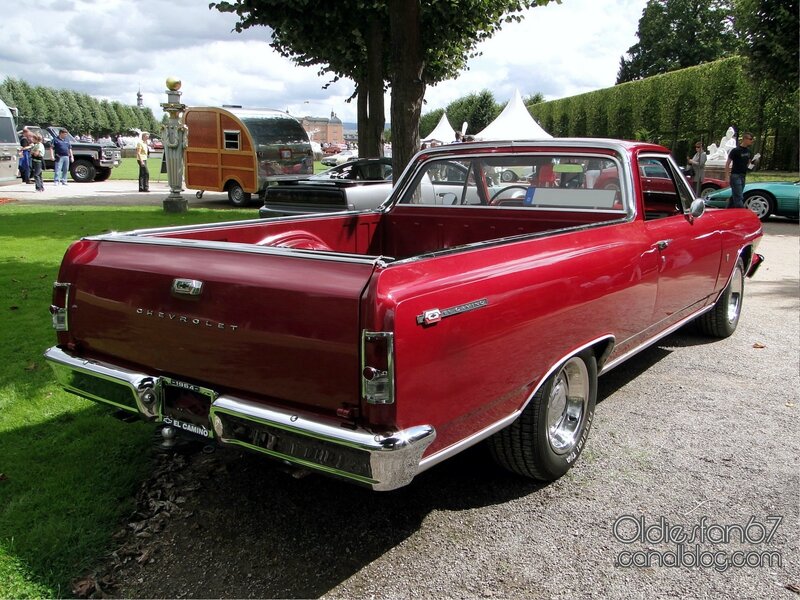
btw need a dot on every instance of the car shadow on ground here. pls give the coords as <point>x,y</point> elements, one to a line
<point>256,531</point>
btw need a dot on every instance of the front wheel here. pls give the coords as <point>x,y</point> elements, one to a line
<point>237,196</point>
<point>722,319</point>
<point>551,431</point>
<point>760,203</point>
<point>82,171</point>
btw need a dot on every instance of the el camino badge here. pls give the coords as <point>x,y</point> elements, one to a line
<point>187,287</point>
<point>434,315</point>
<point>186,426</point>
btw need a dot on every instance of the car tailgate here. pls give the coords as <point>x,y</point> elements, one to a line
<point>283,326</point>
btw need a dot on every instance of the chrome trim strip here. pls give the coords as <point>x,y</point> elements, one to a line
<point>650,341</point>
<point>240,247</point>
<point>484,433</point>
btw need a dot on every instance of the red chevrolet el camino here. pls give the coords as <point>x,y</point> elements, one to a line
<point>373,345</point>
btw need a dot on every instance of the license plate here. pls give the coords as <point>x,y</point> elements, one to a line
<point>186,406</point>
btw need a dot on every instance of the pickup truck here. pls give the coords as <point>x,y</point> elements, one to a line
<point>323,196</point>
<point>93,162</point>
<point>372,345</point>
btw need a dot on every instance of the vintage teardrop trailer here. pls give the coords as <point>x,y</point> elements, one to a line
<point>241,150</point>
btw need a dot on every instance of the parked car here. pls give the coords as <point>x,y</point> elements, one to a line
<point>93,161</point>
<point>655,173</point>
<point>338,159</point>
<point>373,345</point>
<point>362,169</point>
<point>156,144</point>
<point>765,198</point>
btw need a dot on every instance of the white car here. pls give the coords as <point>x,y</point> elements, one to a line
<point>338,159</point>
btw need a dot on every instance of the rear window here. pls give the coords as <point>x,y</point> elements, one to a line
<point>548,181</point>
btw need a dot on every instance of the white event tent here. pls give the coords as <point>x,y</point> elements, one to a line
<point>442,133</point>
<point>514,123</point>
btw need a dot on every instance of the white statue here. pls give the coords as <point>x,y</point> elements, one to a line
<point>726,144</point>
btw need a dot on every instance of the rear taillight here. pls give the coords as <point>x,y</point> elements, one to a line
<point>377,367</point>
<point>60,307</point>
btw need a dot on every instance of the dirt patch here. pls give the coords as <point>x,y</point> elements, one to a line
<point>7,200</point>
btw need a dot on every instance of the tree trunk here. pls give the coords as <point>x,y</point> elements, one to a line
<point>408,88</point>
<point>373,147</point>
<point>362,113</point>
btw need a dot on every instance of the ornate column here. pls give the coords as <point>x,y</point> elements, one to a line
<point>175,133</point>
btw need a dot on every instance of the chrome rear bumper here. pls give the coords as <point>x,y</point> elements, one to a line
<point>380,461</point>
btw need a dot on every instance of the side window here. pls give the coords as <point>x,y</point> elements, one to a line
<point>231,141</point>
<point>663,192</point>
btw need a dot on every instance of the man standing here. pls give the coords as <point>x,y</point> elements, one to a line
<point>62,156</point>
<point>736,167</point>
<point>141,158</point>
<point>698,162</point>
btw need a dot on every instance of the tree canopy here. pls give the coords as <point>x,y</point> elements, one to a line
<point>405,44</point>
<point>78,112</point>
<point>768,32</point>
<point>675,34</point>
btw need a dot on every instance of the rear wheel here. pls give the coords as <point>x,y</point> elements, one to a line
<point>721,321</point>
<point>550,433</point>
<point>237,196</point>
<point>102,174</point>
<point>762,204</point>
<point>82,171</point>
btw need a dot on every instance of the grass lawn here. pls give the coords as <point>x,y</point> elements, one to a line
<point>68,471</point>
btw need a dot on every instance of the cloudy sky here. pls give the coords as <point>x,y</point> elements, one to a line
<point>112,48</point>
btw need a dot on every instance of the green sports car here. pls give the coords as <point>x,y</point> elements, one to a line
<point>765,198</point>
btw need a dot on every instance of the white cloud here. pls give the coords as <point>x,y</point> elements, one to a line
<point>112,48</point>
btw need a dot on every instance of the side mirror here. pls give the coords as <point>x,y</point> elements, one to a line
<point>698,208</point>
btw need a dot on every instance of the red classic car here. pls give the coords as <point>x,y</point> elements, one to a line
<point>658,176</point>
<point>371,345</point>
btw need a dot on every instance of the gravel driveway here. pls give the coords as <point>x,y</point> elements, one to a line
<point>694,447</point>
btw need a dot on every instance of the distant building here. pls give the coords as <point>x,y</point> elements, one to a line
<point>323,130</point>
<point>139,99</point>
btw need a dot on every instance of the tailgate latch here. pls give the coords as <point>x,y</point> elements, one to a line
<point>187,287</point>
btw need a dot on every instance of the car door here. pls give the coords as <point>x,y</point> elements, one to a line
<point>689,249</point>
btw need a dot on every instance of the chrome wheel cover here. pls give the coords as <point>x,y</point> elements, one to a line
<point>237,195</point>
<point>735,299</point>
<point>758,204</point>
<point>566,405</point>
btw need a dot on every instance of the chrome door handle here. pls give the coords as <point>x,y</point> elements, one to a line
<point>662,244</point>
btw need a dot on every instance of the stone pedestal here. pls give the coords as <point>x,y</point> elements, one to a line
<point>175,204</point>
<point>174,145</point>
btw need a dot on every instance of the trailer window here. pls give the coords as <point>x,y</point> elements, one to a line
<point>232,140</point>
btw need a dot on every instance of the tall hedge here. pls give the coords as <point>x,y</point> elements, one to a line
<point>78,112</point>
<point>678,108</point>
